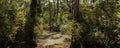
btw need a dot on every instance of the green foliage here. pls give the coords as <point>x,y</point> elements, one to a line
<point>40,25</point>
<point>97,24</point>
<point>12,19</point>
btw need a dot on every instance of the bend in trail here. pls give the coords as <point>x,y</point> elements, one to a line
<point>53,40</point>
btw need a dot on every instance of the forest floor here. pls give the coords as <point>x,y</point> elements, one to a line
<point>53,40</point>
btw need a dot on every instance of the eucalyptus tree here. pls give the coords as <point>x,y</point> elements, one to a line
<point>25,37</point>
<point>30,23</point>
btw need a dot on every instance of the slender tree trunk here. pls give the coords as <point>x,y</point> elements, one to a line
<point>50,15</point>
<point>76,10</point>
<point>57,7</point>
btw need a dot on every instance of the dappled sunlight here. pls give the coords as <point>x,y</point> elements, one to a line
<point>59,23</point>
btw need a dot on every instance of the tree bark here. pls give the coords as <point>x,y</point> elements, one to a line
<point>25,37</point>
<point>75,12</point>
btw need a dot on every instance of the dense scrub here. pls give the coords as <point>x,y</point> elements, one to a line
<point>89,23</point>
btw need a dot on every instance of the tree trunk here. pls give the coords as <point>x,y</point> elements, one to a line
<point>75,12</point>
<point>50,15</point>
<point>25,37</point>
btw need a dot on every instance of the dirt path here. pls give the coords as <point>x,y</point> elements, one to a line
<point>53,40</point>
